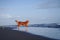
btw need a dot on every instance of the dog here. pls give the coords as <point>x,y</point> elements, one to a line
<point>20,23</point>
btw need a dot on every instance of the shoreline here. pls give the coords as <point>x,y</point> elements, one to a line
<point>19,35</point>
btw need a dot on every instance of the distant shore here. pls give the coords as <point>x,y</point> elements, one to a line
<point>19,35</point>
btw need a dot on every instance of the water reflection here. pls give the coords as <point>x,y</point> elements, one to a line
<point>48,32</point>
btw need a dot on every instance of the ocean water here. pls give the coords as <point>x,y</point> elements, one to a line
<point>47,32</point>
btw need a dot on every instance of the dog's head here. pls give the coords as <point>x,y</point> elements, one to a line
<point>16,21</point>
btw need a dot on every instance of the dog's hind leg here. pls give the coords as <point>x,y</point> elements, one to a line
<point>26,27</point>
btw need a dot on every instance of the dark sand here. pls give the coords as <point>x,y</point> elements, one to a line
<point>19,35</point>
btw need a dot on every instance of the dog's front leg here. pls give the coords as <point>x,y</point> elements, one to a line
<point>18,27</point>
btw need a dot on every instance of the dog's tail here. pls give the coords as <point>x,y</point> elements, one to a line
<point>27,20</point>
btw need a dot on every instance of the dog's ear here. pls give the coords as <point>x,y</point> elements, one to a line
<point>16,20</point>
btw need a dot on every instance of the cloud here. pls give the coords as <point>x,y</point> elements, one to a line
<point>49,4</point>
<point>7,16</point>
<point>3,9</point>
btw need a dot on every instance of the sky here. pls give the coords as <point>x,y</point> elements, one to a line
<point>36,11</point>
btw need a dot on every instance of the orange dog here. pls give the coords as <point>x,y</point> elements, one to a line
<point>19,23</point>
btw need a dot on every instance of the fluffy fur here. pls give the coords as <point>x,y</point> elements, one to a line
<point>19,23</point>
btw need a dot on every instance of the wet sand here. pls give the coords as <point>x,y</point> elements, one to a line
<point>19,35</point>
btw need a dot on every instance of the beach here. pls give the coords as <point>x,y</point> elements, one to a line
<point>19,35</point>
